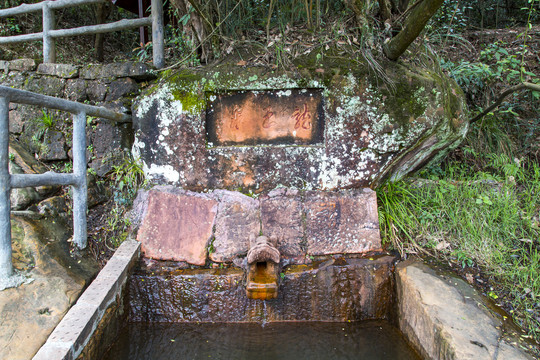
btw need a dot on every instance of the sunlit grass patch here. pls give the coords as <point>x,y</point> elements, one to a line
<point>486,220</point>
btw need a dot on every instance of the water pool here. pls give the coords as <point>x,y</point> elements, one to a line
<point>367,340</point>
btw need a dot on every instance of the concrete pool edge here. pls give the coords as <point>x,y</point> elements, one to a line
<point>75,330</point>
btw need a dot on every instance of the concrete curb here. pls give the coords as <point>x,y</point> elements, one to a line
<point>72,334</point>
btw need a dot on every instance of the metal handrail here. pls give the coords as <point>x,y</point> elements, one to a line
<point>77,179</point>
<point>49,33</point>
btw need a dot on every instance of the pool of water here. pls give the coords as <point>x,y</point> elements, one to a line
<point>293,340</point>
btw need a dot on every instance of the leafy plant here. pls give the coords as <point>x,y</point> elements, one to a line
<point>47,120</point>
<point>488,219</point>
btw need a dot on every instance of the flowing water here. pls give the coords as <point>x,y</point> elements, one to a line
<point>371,340</point>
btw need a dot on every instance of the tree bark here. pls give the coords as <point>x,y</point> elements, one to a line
<point>385,7</point>
<point>414,24</point>
<point>360,9</point>
<point>509,91</point>
<point>102,12</point>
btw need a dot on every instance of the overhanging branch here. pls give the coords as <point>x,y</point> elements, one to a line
<point>507,92</point>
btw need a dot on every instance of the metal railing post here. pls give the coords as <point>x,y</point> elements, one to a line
<point>49,48</point>
<point>6,268</point>
<point>158,42</point>
<point>80,194</point>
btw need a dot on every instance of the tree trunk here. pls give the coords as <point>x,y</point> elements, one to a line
<point>198,27</point>
<point>385,7</point>
<point>102,12</point>
<point>360,9</point>
<point>414,24</point>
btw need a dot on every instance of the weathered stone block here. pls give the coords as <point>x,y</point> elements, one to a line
<point>237,219</point>
<point>55,351</point>
<point>177,226</point>
<point>371,132</point>
<point>22,65</point>
<point>53,146</point>
<point>122,87</point>
<point>134,70</point>
<point>281,218</point>
<point>108,142</point>
<point>24,163</point>
<point>341,222</point>
<point>46,85</point>
<point>91,72</point>
<point>96,91</point>
<point>76,90</point>
<point>65,71</point>
<point>447,318</point>
<point>4,66</point>
<point>16,121</point>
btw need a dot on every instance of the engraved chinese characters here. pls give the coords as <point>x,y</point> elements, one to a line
<point>291,116</point>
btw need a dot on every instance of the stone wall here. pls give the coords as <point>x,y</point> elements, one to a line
<point>47,133</point>
<point>180,225</point>
<point>340,289</point>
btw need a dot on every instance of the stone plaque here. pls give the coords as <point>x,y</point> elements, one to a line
<point>292,116</point>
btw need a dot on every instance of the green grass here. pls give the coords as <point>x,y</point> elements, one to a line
<point>485,219</point>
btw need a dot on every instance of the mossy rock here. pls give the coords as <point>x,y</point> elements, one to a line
<point>375,127</point>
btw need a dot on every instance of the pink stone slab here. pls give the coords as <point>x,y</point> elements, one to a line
<point>236,221</point>
<point>177,227</point>
<point>341,222</point>
<point>281,218</point>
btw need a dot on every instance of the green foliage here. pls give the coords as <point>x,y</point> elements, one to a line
<point>128,177</point>
<point>487,219</point>
<point>47,120</point>
<point>9,26</point>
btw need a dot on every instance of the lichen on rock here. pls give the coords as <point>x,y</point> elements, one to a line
<point>374,129</point>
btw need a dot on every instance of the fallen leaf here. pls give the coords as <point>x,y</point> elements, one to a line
<point>442,245</point>
<point>241,63</point>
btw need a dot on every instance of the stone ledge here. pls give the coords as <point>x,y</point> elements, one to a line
<point>22,65</point>
<point>65,71</point>
<point>135,70</point>
<point>76,328</point>
<point>445,318</point>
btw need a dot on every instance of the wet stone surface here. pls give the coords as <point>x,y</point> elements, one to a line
<point>335,290</point>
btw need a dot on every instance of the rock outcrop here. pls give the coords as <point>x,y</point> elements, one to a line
<point>55,279</point>
<point>363,130</point>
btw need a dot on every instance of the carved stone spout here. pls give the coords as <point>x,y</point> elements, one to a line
<point>263,268</point>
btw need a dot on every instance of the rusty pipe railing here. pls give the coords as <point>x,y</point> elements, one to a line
<point>49,33</point>
<point>77,179</point>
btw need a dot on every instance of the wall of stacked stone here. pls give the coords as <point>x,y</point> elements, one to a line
<point>47,134</point>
